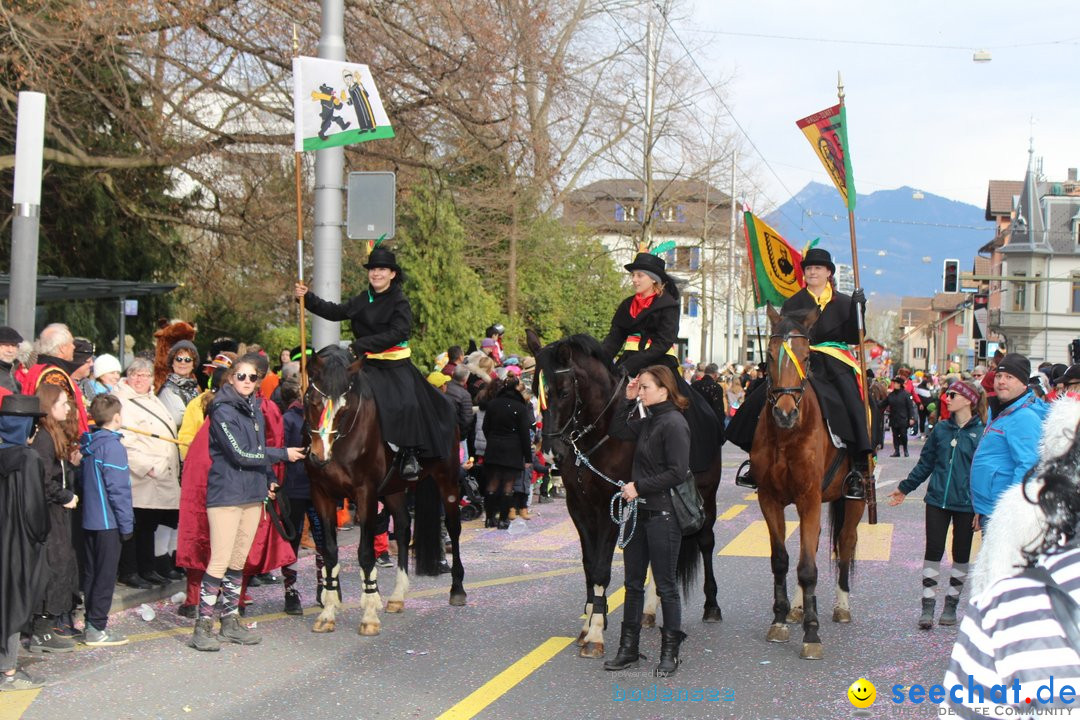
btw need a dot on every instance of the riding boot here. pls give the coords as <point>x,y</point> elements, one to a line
<point>410,465</point>
<point>628,654</point>
<point>855,481</point>
<point>743,478</point>
<point>504,512</point>
<point>670,640</point>
<point>491,510</point>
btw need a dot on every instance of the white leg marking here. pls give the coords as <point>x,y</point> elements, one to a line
<point>396,601</point>
<point>796,600</point>
<point>842,597</point>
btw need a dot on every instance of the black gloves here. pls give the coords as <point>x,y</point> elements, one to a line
<point>859,297</point>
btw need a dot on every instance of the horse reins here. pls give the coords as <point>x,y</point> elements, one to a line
<point>330,431</point>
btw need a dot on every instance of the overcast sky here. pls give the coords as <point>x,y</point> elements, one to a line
<point>928,117</point>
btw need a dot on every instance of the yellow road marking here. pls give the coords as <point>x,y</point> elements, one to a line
<point>731,512</point>
<point>754,540</point>
<point>752,497</point>
<point>499,685</point>
<point>875,542</point>
<point>14,704</point>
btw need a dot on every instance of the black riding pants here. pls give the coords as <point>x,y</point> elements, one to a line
<point>937,527</point>
<point>656,540</point>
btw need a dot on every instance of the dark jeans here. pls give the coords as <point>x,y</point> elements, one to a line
<point>656,540</point>
<point>137,554</point>
<point>937,526</point>
<point>102,554</point>
<point>899,438</point>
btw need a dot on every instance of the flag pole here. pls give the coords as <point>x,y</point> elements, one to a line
<point>871,492</point>
<point>297,160</point>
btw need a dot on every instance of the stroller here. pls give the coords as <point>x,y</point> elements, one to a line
<point>472,500</point>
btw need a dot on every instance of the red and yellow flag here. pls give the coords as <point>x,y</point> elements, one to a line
<point>827,133</point>
<point>776,265</point>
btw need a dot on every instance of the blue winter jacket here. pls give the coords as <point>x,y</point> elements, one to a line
<point>946,460</point>
<point>106,483</point>
<point>297,486</point>
<point>240,462</point>
<point>1008,449</point>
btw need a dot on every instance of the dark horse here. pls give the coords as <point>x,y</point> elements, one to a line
<point>793,460</point>
<point>581,393</point>
<point>349,460</point>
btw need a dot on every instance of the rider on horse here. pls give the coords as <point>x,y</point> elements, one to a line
<point>416,419</point>
<point>835,381</point>
<point>643,333</point>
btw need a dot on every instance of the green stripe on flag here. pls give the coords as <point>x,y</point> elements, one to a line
<point>348,137</point>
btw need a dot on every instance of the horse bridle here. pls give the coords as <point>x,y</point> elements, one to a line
<point>796,392</point>
<point>313,432</point>
<point>572,423</point>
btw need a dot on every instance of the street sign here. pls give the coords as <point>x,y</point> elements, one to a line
<point>371,206</point>
<point>131,308</point>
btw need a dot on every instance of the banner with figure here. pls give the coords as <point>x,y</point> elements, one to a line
<point>827,133</point>
<point>775,266</point>
<point>336,103</point>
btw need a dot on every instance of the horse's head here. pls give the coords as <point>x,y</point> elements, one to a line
<point>573,382</point>
<point>788,364</point>
<point>330,374</point>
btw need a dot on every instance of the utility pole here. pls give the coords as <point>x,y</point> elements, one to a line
<point>25,221</point>
<point>329,193</point>
<point>650,84</point>
<point>729,341</point>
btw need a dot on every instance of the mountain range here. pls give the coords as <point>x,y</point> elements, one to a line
<point>903,235</point>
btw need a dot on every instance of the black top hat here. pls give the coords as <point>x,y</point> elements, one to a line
<point>1071,375</point>
<point>21,405</point>
<point>382,258</point>
<point>10,336</point>
<point>819,256</point>
<point>647,262</point>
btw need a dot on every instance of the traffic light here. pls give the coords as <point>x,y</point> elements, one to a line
<point>951,276</point>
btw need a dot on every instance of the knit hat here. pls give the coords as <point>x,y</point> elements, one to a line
<point>962,388</point>
<point>106,364</point>
<point>1016,365</point>
<point>84,350</point>
<point>183,345</point>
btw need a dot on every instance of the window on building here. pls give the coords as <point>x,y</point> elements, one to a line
<point>1019,293</point>
<point>686,258</point>
<point>1076,293</point>
<point>918,353</point>
<point>691,304</point>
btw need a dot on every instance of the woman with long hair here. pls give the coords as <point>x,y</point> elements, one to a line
<point>56,445</point>
<point>946,461</point>
<point>661,462</point>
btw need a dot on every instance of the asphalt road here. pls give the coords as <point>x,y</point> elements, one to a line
<point>510,654</point>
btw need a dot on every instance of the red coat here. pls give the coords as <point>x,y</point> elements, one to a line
<point>269,550</point>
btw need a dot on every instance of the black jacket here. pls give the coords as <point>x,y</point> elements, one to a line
<point>658,326</point>
<point>713,392</point>
<point>379,321</point>
<point>7,377</point>
<point>240,471</point>
<point>838,322</point>
<point>297,485</point>
<point>661,452</point>
<point>506,427</point>
<point>463,404</point>
<point>901,408</point>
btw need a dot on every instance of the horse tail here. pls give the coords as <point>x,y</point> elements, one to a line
<point>689,562</point>
<point>836,525</point>
<point>427,527</point>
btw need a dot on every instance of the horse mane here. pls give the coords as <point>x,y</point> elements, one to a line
<point>582,343</point>
<point>793,320</point>
<point>334,376</point>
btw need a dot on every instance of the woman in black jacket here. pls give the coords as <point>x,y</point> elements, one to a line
<point>661,462</point>
<point>416,419</point>
<point>240,478</point>
<point>509,449</point>
<point>902,415</point>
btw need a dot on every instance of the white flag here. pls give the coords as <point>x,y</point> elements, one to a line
<point>336,103</point>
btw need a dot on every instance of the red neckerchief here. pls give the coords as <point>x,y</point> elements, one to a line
<point>639,303</point>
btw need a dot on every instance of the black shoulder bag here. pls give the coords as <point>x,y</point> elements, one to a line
<point>688,505</point>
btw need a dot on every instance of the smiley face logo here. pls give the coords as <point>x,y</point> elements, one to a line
<point>862,693</point>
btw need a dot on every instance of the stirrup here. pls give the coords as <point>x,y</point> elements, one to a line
<point>410,465</point>
<point>854,486</point>
<point>743,478</point>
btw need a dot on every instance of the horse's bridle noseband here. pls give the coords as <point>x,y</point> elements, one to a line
<point>571,431</point>
<point>796,392</point>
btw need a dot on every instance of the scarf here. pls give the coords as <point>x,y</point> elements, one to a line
<point>187,387</point>
<point>640,302</point>
<point>823,299</point>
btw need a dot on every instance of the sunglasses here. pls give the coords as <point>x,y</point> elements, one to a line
<point>951,395</point>
<point>244,377</point>
<point>183,359</point>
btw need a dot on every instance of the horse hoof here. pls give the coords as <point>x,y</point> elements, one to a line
<point>811,651</point>
<point>712,615</point>
<point>592,650</point>
<point>795,615</point>
<point>395,606</point>
<point>648,620</point>
<point>458,600</point>
<point>778,633</point>
<point>581,638</point>
<point>368,628</point>
<point>323,626</point>
<point>841,615</point>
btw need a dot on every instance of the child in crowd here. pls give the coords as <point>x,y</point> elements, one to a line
<point>108,517</point>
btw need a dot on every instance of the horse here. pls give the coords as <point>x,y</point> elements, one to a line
<point>581,392</point>
<point>348,460</point>
<point>793,460</point>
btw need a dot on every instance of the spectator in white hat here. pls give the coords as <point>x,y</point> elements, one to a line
<point>104,377</point>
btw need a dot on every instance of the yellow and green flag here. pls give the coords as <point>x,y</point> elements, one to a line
<point>827,133</point>
<point>776,266</point>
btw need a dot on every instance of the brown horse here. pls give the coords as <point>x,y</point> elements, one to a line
<point>581,394</point>
<point>793,460</point>
<point>348,460</point>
